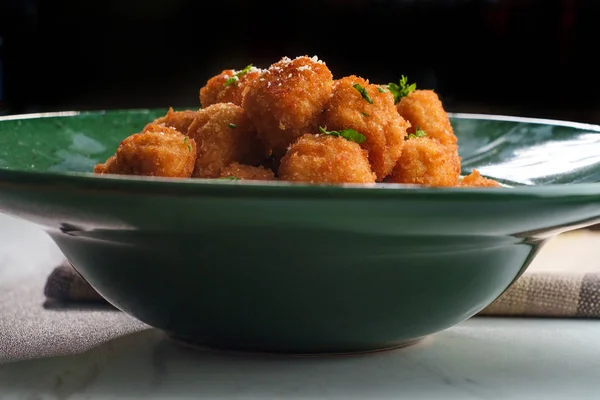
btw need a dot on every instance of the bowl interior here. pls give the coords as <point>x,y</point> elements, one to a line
<point>517,150</point>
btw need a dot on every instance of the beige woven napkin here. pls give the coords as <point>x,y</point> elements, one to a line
<point>563,281</point>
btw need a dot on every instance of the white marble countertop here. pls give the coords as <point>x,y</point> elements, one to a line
<point>49,353</point>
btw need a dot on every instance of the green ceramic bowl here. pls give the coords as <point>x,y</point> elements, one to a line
<point>298,268</point>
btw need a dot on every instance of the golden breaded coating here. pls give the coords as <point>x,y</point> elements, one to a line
<point>474,179</point>
<point>227,87</point>
<point>374,115</point>
<point>424,110</point>
<point>426,161</point>
<point>295,122</point>
<point>223,134</point>
<point>179,120</point>
<point>103,167</point>
<point>247,172</point>
<point>287,100</point>
<point>157,151</point>
<point>326,159</point>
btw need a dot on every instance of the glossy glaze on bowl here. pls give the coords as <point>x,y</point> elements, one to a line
<point>292,267</point>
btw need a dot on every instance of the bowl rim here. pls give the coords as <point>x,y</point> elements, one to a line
<point>215,187</point>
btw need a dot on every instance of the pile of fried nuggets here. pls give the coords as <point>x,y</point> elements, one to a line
<point>295,122</point>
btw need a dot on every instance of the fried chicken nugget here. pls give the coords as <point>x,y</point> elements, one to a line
<point>179,120</point>
<point>157,151</point>
<point>326,159</point>
<point>474,179</point>
<point>102,168</point>
<point>223,134</point>
<point>228,86</point>
<point>426,161</point>
<point>359,105</point>
<point>247,172</point>
<point>424,110</point>
<point>287,100</point>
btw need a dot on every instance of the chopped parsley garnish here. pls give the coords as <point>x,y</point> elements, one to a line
<point>382,89</point>
<point>349,134</point>
<point>189,146</point>
<point>365,114</point>
<point>232,125</point>
<point>237,75</point>
<point>418,133</point>
<point>363,92</point>
<point>401,89</point>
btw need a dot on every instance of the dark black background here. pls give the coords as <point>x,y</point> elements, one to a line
<point>530,57</point>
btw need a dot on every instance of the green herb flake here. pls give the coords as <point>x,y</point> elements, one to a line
<point>363,92</point>
<point>401,89</point>
<point>418,134</point>
<point>189,146</point>
<point>365,114</point>
<point>237,75</point>
<point>232,125</point>
<point>349,134</point>
<point>382,89</point>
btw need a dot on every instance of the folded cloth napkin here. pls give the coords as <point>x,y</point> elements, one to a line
<point>65,284</point>
<point>547,294</point>
<point>554,286</point>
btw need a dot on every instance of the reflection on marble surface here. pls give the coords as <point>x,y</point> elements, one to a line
<point>480,359</point>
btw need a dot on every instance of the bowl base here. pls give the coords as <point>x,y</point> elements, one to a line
<point>200,346</point>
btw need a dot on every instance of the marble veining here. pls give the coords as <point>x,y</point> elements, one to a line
<point>480,359</point>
